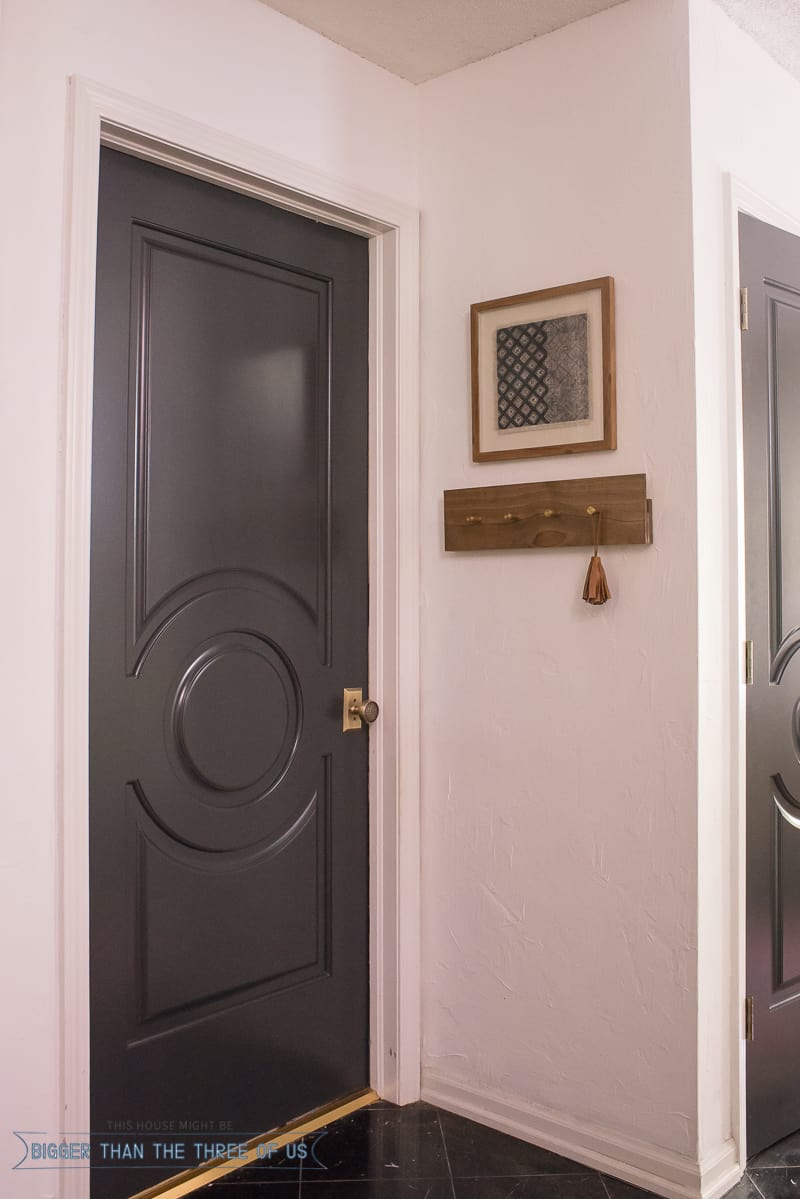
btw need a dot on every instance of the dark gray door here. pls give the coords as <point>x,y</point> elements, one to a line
<point>228,811</point>
<point>770,270</point>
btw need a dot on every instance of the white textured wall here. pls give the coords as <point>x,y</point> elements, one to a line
<point>559,742</point>
<point>236,65</point>
<point>745,117</point>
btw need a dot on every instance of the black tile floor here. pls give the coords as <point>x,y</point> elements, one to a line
<point>422,1152</point>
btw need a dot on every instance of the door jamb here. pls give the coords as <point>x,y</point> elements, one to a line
<point>740,199</point>
<point>102,115</point>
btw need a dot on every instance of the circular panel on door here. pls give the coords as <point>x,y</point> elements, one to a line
<point>235,714</point>
<point>220,721</point>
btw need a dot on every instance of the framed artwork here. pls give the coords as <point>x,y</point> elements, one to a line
<point>543,373</point>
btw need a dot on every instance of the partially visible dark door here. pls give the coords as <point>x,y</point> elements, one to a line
<point>228,811</point>
<point>770,270</point>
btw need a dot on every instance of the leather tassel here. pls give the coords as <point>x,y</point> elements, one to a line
<point>595,589</point>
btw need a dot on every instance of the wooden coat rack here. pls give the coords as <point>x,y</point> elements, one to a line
<point>549,515</point>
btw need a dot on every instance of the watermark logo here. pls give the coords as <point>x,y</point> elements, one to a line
<point>153,1150</point>
<point>44,1153</point>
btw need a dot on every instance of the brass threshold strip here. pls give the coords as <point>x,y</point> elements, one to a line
<point>201,1176</point>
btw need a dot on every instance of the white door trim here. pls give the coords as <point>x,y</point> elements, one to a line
<point>100,114</point>
<point>740,199</point>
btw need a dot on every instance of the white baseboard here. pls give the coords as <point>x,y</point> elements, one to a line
<point>660,1170</point>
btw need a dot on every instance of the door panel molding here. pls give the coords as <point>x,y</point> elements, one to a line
<point>103,115</point>
<point>149,245</point>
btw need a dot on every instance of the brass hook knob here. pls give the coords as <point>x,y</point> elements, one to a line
<point>474,520</point>
<point>510,517</point>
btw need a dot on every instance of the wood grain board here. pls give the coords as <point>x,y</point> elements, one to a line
<point>549,515</point>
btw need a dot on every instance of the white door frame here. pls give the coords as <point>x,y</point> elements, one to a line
<point>102,115</point>
<point>739,199</point>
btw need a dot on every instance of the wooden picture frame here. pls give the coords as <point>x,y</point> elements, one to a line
<point>544,372</point>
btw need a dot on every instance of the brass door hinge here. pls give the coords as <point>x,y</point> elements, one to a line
<point>748,663</point>
<point>749,1034</point>
<point>744,310</point>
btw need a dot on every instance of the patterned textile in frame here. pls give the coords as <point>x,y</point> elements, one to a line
<point>543,372</point>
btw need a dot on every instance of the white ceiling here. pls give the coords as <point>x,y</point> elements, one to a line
<point>773,23</point>
<point>420,39</point>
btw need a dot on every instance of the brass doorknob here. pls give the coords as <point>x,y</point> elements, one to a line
<point>356,709</point>
<point>368,710</point>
